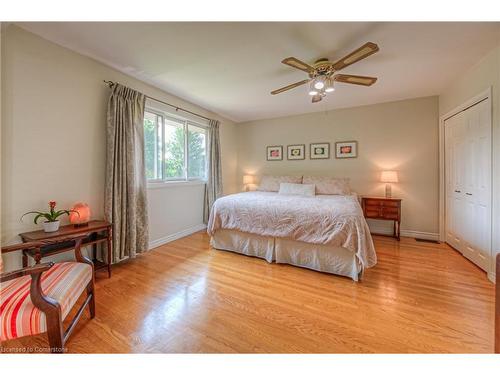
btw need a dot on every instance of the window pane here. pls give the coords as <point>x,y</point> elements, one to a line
<point>174,149</point>
<point>197,161</point>
<point>152,146</point>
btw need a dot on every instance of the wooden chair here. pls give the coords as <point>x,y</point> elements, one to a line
<point>497,307</point>
<point>37,299</point>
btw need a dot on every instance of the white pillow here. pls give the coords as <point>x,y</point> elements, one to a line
<point>297,189</point>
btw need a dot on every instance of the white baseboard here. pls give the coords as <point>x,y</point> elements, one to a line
<point>376,229</point>
<point>176,236</point>
<point>383,228</point>
<point>422,235</point>
<point>492,277</point>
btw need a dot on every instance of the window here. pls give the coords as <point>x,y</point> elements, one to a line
<point>175,148</point>
<point>197,161</point>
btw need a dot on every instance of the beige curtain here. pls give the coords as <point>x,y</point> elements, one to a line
<point>213,188</point>
<point>125,195</point>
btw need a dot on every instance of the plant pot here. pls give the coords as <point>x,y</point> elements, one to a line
<point>51,226</point>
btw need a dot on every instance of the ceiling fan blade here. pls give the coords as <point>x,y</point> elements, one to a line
<point>316,98</point>
<point>293,85</point>
<point>365,50</point>
<point>356,80</point>
<point>296,63</point>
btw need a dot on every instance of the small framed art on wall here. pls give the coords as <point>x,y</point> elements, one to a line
<point>296,152</point>
<point>348,149</point>
<point>319,150</point>
<point>274,153</point>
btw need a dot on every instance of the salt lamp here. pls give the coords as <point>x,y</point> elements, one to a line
<point>80,214</point>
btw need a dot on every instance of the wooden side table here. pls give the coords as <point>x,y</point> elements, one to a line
<point>383,209</point>
<point>97,232</point>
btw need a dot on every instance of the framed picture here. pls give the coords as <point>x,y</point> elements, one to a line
<point>319,151</point>
<point>274,152</point>
<point>347,149</point>
<point>296,152</point>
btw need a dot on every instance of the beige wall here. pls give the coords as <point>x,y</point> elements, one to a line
<point>400,135</point>
<point>485,74</point>
<point>53,144</point>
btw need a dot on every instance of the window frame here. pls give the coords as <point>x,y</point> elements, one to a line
<point>185,126</point>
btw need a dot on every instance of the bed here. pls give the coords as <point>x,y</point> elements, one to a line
<point>326,233</point>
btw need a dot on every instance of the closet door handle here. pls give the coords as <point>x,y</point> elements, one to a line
<point>457,191</point>
<point>468,194</point>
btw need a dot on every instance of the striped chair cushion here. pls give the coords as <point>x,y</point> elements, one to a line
<point>63,282</point>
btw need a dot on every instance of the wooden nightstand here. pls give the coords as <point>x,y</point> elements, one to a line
<point>383,209</point>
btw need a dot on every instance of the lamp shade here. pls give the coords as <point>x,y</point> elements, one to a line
<point>80,214</point>
<point>248,179</point>
<point>389,176</point>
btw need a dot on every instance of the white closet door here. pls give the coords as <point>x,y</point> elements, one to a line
<point>449,181</point>
<point>468,182</point>
<point>455,130</point>
<point>478,187</point>
<point>469,233</point>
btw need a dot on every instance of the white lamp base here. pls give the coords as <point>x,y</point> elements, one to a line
<point>388,191</point>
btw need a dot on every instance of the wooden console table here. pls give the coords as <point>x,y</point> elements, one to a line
<point>96,231</point>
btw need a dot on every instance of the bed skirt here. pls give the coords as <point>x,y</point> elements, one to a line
<point>324,258</point>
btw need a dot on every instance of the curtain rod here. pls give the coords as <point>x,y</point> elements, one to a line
<point>111,84</point>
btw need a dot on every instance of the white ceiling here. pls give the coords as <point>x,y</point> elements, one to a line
<point>230,68</point>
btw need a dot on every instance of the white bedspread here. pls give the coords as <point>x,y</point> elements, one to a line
<point>335,220</point>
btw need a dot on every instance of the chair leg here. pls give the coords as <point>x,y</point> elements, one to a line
<point>55,333</point>
<point>90,291</point>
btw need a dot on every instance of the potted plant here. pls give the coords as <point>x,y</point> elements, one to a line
<point>52,217</point>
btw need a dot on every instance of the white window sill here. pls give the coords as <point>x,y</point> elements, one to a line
<point>168,184</point>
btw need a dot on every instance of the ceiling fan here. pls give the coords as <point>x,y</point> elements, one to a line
<point>322,73</point>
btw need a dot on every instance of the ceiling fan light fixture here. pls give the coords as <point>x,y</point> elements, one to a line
<point>316,98</point>
<point>319,82</point>
<point>329,85</point>
<point>321,79</point>
<point>319,85</point>
<point>312,89</point>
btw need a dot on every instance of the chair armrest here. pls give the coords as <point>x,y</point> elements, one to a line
<point>36,269</point>
<point>48,305</point>
<point>22,246</point>
<point>79,256</point>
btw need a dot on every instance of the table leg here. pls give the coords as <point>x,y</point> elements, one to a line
<point>399,230</point>
<point>25,260</point>
<point>110,236</point>
<point>38,256</point>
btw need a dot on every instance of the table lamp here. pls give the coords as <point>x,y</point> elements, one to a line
<point>248,180</point>
<point>388,177</point>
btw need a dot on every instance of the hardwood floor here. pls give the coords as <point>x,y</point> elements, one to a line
<point>185,297</point>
